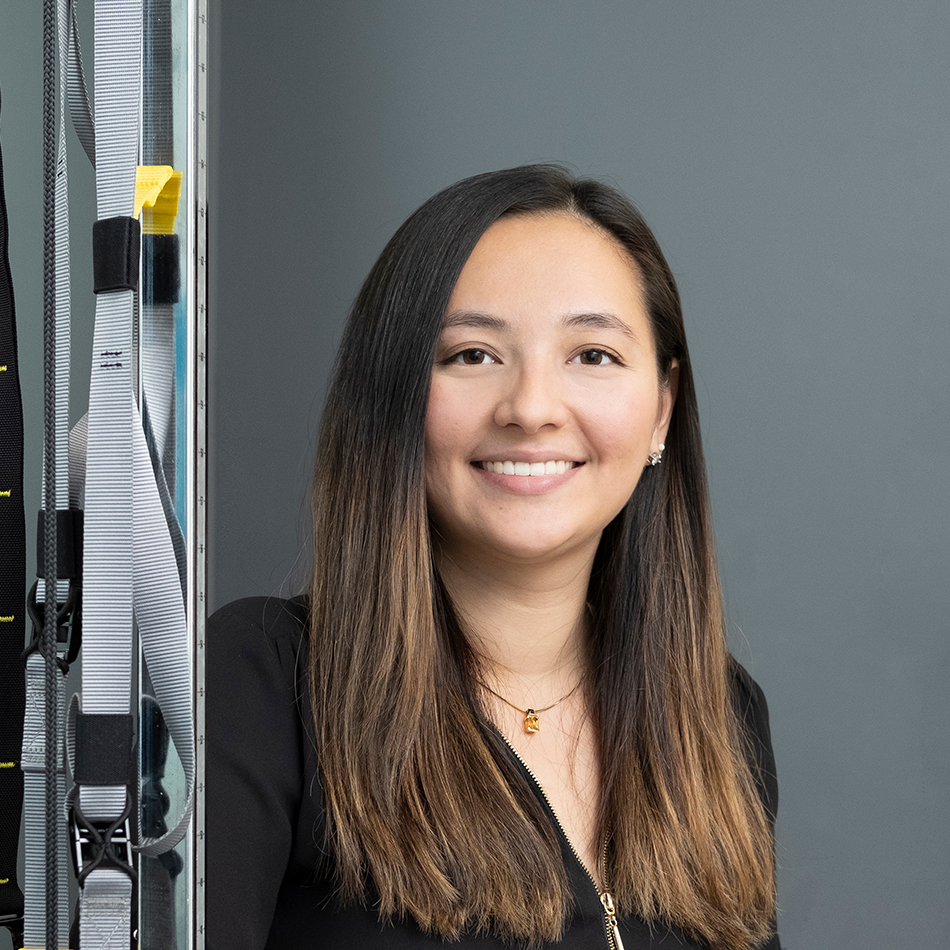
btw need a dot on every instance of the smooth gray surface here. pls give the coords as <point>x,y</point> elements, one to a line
<point>794,161</point>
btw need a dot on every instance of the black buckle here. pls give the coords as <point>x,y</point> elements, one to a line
<point>68,623</point>
<point>101,844</point>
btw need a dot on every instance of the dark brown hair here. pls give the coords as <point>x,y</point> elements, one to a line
<point>423,800</point>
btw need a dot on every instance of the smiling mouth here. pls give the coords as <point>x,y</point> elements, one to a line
<point>556,467</point>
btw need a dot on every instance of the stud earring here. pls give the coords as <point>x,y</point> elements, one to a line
<point>655,458</point>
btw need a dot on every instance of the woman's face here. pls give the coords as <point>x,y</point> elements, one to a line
<point>545,401</point>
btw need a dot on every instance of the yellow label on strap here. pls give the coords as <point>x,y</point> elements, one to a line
<point>157,190</point>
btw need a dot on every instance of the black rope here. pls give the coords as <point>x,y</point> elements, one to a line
<point>53,816</point>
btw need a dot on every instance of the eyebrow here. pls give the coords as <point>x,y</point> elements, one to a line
<point>476,320</point>
<point>599,321</point>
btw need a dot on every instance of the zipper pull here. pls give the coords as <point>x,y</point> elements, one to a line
<point>613,931</point>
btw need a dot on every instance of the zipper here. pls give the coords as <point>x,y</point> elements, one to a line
<point>612,931</point>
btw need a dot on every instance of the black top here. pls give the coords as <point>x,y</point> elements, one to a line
<point>267,880</point>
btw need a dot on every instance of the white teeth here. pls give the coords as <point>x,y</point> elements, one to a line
<point>528,468</point>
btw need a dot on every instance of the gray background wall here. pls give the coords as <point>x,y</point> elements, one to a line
<point>793,159</point>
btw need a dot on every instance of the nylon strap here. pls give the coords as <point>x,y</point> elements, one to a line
<point>12,593</point>
<point>106,901</point>
<point>130,561</point>
<point>34,810</point>
<point>134,551</point>
<point>79,109</point>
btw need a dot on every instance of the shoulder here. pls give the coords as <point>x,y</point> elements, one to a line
<point>247,619</point>
<point>753,713</point>
<point>265,629</point>
<point>747,696</point>
<point>253,658</point>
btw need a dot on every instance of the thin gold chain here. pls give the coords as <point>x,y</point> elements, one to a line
<point>531,709</point>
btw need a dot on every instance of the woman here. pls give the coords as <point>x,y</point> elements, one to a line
<point>504,714</point>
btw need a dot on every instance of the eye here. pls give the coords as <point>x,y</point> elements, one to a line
<point>472,357</point>
<point>594,358</point>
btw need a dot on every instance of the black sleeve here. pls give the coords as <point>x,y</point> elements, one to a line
<point>753,711</point>
<point>254,768</point>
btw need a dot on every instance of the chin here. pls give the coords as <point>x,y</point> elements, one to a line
<point>532,549</point>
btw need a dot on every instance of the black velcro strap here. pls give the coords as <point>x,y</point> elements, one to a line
<point>160,268</point>
<point>68,543</point>
<point>105,749</point>
<point>115,254</point>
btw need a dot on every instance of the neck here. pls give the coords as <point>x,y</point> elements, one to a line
<point>526,623</point>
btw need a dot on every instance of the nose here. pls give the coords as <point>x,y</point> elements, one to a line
<point>532,400</point>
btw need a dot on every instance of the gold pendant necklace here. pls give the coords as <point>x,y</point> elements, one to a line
<point>532,721</point>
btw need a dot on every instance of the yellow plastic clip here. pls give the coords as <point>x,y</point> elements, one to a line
<point>157,190</point>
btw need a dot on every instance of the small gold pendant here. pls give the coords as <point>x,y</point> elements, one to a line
<point>531,722</point>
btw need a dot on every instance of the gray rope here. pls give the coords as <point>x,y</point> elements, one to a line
<point>53,816</point>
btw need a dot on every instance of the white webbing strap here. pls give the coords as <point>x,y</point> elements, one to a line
<point>34,810</point>
<point>160,616</point>
<point>79,109</point>
<point>107,589</point>
<point>106,901</point>
<point>62,282</point>
<point>129,563</point>
<point>157,341</point>
<point>159,612</point>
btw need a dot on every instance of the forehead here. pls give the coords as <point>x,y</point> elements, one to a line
<point>548,264</point>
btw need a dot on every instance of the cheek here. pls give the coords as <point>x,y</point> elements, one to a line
<point>450,438</point>
<point>621,428</point>
<point>442,425</point>
<point>456,419</point>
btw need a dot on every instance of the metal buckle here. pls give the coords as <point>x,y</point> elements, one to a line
<point>101,843</point>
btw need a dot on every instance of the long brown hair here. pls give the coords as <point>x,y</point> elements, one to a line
<point>425,807</point>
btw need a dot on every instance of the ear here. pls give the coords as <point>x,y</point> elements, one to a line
<point>665,408</point>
